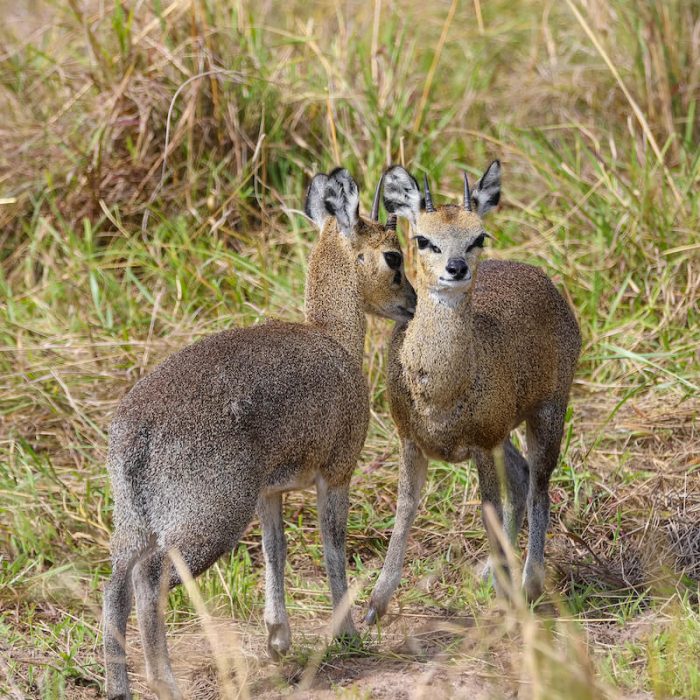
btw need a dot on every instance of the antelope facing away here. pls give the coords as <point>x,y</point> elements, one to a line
<point>225,426</point>
<point>491,345</point>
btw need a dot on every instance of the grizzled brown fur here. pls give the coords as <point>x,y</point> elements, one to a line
<point>491,345</point>
<point>352,269</point>
<point>226,425</point>
<point>489,363</point>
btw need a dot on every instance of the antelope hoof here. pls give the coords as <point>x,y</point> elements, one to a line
<point>377,610</point>
<point>278,640</point>
<point>371,616</point>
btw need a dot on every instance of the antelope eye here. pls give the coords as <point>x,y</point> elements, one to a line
<point>422,242</point>
<point>478,242</point>
<point>393,260</point>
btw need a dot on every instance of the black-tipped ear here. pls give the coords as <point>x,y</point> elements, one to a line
<point>314,206</point>
<point>487,192</point>
<point>342,200</point>
<point>401,193</point>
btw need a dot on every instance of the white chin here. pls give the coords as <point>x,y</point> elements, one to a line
<point>451,286</point>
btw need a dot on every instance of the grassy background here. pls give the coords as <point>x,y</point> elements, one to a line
<point>153,158</point>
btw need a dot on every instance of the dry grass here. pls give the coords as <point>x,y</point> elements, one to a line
<point>592,106</point>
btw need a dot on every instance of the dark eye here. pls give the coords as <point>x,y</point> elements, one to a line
<point>478,242</point>
<point>393,260</point>
<point>423,243</point>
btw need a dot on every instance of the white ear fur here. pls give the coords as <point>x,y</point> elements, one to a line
<point>487,192</point>
<point>401,193</point>
<point>314,206</point>
<point>342,200</point>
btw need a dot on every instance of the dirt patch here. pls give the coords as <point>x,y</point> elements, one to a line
<point>415,658</point>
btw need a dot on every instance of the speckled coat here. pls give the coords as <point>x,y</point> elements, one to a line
<point>492,344</point>
<point>265,406</point>
<point>225,426</point>
<point>459,381</point>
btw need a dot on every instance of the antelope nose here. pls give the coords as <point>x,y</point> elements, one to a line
<point>457,267</point>
<point>412,299</point>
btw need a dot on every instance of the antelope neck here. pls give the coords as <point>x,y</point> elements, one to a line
<point>333,296</point>
<point>441,342</point>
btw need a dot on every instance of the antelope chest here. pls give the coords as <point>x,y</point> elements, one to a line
<point>451,433</point>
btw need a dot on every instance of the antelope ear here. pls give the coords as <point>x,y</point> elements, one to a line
<point>314,206</point>
<point>487,192</point>
<point>401,193</point>
<point>342,200</point>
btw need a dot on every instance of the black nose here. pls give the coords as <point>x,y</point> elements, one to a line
<point>457,267</point>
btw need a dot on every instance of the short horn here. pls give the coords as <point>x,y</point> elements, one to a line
<point>467,193</point>
<point>428,199</point>
<point>391,223</point>
<point>377,196</point>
